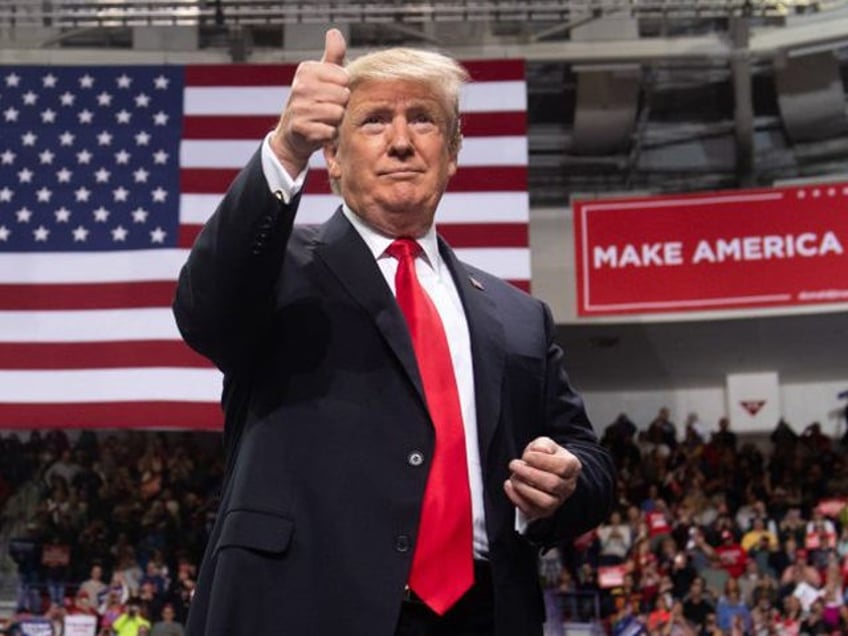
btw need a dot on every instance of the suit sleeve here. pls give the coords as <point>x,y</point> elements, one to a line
<point>224,295</point>
<point>568,424</point>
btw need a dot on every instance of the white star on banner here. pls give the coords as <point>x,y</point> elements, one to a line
<point>8,157</point>
<point>12,80</point>
<point>82,194</point>
<point>158,235</point>
<point>142,100</point>
<point>119,233</point>
<point>30,98</point>
<point>4,233</point>
<point>49,81</point>
<point>102,175</point>
<point>85,116</point>
<point>24,215</point>
<point>63,214</point>
<point>124,81</point>
<point>67,98</point>
<point>120,194</point>
<point>64,175</point>
<point>139,215</point>
<point>86,81</point>
<point>43,194</point>
<point>80,234</point>
<point>11,114</point>
<point>67,138</point>
<point>41,233</point>
<point>84,157</point>
<point>25,175</point>
<point>159,194</point>
<point>101,214</point>
<point>6,194</point>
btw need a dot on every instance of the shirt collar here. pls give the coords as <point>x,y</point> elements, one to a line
<point>378,242</point>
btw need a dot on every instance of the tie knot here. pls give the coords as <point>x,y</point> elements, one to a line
<point>403,248</point>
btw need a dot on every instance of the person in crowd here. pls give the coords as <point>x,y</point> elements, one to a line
<point>731,610</point>
<point>305,322</point>
<point>800,571</point>
<point>94,587</point>
<point>131,622</point>
<point>697,606</point>
<point>167,626</point>
<point>615,540</point>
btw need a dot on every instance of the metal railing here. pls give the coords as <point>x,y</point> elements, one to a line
<point>99,13</point>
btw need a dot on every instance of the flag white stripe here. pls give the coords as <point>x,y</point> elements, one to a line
<point>110,385</point>
<point>235,153</point>
<point>91,267</point>
<point>455,207</point>
<point>478,97</point>
<point>105,267</point>
<point>93,325</point>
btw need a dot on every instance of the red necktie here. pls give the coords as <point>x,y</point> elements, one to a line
<point>442,564</point>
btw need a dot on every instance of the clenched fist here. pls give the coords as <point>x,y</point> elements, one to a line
<point>316,105</point>
<point>543,478</point>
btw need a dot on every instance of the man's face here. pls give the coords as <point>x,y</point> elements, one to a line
<point>393,158</point>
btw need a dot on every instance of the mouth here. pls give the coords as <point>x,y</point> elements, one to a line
<point>402,173</point>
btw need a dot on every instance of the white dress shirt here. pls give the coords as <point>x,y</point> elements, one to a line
<point>437,281</point>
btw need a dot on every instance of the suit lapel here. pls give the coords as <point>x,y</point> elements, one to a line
<point>487,348</point>
<point>344,253</point>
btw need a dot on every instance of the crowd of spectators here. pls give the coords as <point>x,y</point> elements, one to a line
<point>712,536</point>
<point>110,525</point>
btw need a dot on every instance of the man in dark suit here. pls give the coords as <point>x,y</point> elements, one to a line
<point>402,438</point>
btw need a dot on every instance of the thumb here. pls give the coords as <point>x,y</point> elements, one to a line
<point>335,47</point>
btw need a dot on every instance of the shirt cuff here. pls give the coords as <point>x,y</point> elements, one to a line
<point>279,180</point>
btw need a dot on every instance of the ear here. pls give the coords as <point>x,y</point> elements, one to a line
<point>452,164</point>
<point>331,152</point>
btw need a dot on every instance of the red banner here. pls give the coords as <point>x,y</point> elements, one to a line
<point>718,250</point>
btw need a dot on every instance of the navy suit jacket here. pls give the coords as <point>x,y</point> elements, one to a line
<point>324,409</point>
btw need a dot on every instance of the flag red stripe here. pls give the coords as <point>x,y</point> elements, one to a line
<point>282,75</point>
<point>496,124</point>
<point>524,285</point>
<point>471,179</point>
<point>494,70</point>
<point>99,355</point>
<point>459,235</point>
<point>179,415</point>
<point>240,75</point>
<point>86,295</point>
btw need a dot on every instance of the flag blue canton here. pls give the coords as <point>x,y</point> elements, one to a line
<point>89,157</point>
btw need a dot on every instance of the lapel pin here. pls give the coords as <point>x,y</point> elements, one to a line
<point>476,283</point>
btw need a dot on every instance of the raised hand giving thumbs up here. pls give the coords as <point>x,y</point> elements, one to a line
<point>315,107</point>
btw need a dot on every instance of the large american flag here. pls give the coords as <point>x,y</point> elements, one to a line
<point>107,175</point>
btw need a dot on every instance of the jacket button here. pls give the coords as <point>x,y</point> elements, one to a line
<point>402,543</point>
<point>416,458</point>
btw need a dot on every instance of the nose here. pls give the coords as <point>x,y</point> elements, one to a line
<point>400,142</point>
